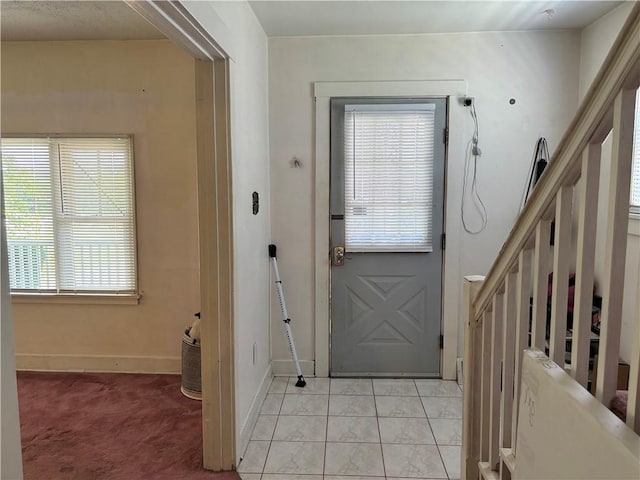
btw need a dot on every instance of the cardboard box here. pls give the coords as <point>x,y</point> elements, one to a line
<point>623,376</point>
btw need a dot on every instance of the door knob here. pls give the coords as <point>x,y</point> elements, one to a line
<point>337,256</point>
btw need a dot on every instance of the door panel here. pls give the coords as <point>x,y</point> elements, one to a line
<point>385,305</point>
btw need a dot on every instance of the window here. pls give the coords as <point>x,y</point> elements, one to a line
<point>388,152</point>
<point>635,176</point>
<point>69,215</point>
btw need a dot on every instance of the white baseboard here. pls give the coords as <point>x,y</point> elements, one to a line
<point>254,410</point>
<point>97,363</point>
<point>459,371</point>
<point>287,368</point>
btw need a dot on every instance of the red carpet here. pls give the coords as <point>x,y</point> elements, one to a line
<point>81,426</point>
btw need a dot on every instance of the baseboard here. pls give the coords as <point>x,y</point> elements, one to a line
<point>459,371</point>
<point>287,368</point>
<point>97,363</point>
<point>254,410</point>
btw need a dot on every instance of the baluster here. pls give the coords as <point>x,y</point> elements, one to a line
<point>540,284</point>
<point>476,431</point>
<point>486,384</point>
<point>585,256</point>
<point>616,245</point>
<point>508,356</point>
<point>561,259</point>
<point>472,372</point>
<point>522,330</point>
<point>496,376</point>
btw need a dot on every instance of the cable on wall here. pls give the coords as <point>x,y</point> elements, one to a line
<point>471,170</point>
<point>538,164</point>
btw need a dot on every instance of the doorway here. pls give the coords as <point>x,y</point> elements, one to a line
<point>214,228</point>
<point>387,215</point>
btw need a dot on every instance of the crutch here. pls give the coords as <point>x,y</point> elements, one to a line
<point>285,318</point>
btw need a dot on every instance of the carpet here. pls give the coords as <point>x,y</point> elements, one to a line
<point>84,426</point>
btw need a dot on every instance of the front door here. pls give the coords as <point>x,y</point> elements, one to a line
<point>387,203</point>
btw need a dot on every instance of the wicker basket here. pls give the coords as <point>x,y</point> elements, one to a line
<point>191,381</point>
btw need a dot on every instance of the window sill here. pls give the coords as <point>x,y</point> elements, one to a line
<point>75,299</point>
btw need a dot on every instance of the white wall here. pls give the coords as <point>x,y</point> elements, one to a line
<point>596,41</point>
<point>234,26</point>
<point>539,69</point>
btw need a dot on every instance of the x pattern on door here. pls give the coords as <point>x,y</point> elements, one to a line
<point>400,305</point>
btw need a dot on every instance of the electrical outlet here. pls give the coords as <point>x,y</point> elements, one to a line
<point>255,353</point>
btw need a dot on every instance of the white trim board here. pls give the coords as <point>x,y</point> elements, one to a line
<point>10,445</point>
<point>245,431</point>
<point>97,363</point>
<point>452,278</point>
<point>634,225</point>
<point>176,21</point>
<point>286,368</point>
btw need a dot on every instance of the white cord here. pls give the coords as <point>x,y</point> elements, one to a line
<point>473,150</point>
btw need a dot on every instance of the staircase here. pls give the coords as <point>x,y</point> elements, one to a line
<point>506,312</point>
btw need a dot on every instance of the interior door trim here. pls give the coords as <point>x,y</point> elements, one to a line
<point>454,159</point>
<point>215,228</point>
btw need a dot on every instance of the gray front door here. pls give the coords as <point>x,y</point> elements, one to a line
<point>387,203</point>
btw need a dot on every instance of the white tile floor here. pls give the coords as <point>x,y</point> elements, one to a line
<point>356,429</point>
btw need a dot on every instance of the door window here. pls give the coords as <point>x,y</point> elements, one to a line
<point>388,181</point>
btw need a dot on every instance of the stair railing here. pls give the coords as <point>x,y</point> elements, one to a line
<point>506,312</point>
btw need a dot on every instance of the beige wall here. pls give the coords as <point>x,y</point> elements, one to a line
<point>596,41</point>
<point>144,88</point>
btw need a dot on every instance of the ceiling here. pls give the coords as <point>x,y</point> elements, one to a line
<point>299,18</point>
<point>115,20</point>
<point>69,20</point>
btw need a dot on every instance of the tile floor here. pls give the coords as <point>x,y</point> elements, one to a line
<point>356,429</point>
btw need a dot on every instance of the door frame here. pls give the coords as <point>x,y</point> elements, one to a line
<point>215,230</point>
<point>215,224</point>
<point>451,285</point>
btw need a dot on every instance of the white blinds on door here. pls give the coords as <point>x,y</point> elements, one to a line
<point>388,151</point>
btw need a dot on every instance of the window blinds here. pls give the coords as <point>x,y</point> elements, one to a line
<point>388,151</point>
<point>95,215</point>
<point>87,202</point>
<point>635,176</point>
<point>26,177</point>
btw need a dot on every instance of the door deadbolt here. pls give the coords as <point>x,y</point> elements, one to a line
<point>337,256</point>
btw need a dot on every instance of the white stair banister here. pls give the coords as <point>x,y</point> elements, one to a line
<point>561,262</point>
<point>522,330</point>
<point>508,357</point>
<point>472,371</point>
<point>485,376</point>
<point>541,284</point>
<point>496,377</point>
<point>585,261</point>
<point>633,404</point>
<point>616,244</point>
<point>501,321</point>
